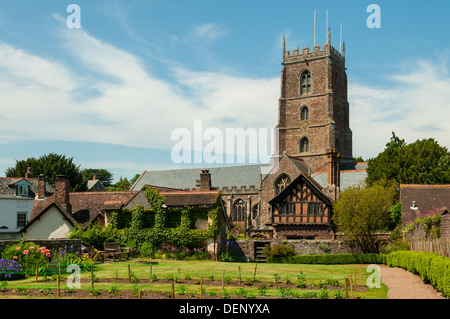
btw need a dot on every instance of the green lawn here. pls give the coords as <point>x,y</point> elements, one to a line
<point>266,274</point>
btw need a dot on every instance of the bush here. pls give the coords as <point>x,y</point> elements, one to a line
<point>329,259</point>
<point>278,251</point>
<point>28,255</point>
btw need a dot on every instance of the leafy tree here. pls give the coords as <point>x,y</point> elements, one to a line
<point>421,162</point>
<point>134,179</point>
<point>122,185</point>
<point>362,211</point>
<point>358,159</point>
<point>50,165</point>
<point>103,175</point>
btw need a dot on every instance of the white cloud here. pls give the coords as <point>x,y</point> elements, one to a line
<point>414,106</point>
<point>131,106</point>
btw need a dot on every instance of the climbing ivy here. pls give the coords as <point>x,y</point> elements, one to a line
<point>173,226</point>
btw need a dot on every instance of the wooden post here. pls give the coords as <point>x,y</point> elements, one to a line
<point>173,291</point>
<point>223,279</point>
<point>239,275</point>
<point>346,288</point>
<point>59,280</point>
<point>351,286</point>
<point>150,272</point>
<point>360,277</point>
<point>254,274</point>
<point>355,279</point>
<point>36,273</point>
<point>140,294</point>
<point>201,287</point>
<point>129,273</point>
<point>92,277</point>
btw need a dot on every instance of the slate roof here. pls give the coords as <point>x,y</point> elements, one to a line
<point>224,176</point>
<point>351,174</point>
<point>7,189</point>
<point>190,198</point>
<point>95,186</point>
<point>244,175</point>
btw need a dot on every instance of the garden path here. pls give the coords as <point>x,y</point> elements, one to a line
<point>404,285</point>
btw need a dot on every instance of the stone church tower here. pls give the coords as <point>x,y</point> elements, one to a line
<point>313,114</point>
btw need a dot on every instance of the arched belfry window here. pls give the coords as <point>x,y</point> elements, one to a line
<point>239,211</point>
<point>304,145</point>
<point>305,83</point>
<point>281,183</point>
<point>304,113</point>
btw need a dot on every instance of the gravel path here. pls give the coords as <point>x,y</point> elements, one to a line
<point>404,285</point>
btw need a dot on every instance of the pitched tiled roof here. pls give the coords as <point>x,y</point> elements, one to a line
<point>425,198</point>
<point>309,180</point>
<point>64,212</point>
<point>87,205</point>
<point>7,189</point>
<point>224,176</point>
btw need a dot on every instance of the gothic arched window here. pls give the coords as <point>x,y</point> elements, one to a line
<point>281,183</point>
<point>305,83</point>
<point>239,211</point>
<point>304,145</point>
<point>304,113</point>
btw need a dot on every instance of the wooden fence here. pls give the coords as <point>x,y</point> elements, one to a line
<point>440,246</point>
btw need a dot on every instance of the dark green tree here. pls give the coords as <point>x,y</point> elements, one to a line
<point>103,175</point>
<point>122,185</point>
<point>50,165</point>
<point>421,162</point>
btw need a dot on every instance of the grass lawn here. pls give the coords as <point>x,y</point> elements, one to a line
<point>266,275</point>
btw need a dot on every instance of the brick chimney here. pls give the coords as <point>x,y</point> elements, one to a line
<point>204,183</point>
<point>62,190</point>
<point>28,174</point>
<point>334,174</point>
<point>41,187</point>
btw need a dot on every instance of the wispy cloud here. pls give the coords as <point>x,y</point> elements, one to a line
<point>411,103</point>
<point>131,106</point>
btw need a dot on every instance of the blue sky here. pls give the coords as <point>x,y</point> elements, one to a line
<point>111,93</point>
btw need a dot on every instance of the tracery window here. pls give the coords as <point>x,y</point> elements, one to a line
<point>305,83</point>
<point>239,211</point>
<point>281,183</point>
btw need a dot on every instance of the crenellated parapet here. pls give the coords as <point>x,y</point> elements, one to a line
<point>317,52</point>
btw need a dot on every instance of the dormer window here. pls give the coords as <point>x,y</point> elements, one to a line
<point>22,190</point>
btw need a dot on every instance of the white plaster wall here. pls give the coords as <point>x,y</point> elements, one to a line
<point>50,225</point>
<point>8,213</point>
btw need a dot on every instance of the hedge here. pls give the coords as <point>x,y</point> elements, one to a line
<point>431,268</point>
<point>328,259</point>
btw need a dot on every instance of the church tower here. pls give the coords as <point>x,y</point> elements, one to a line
<point>313,111</point>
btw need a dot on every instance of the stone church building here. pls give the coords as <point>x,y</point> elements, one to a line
<point>290,198</point>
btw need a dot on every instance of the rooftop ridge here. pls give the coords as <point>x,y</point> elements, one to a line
<point>425,185</point>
